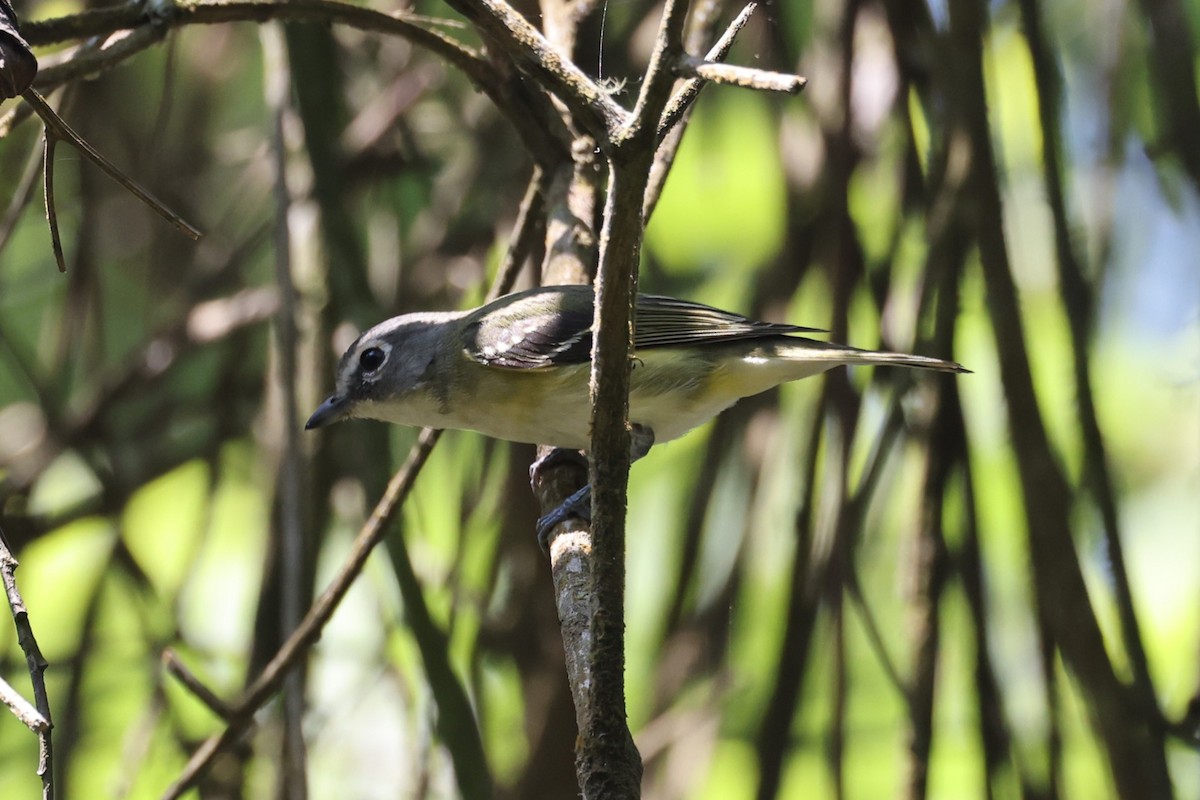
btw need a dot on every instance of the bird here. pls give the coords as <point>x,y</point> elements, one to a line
<point>518,368</point>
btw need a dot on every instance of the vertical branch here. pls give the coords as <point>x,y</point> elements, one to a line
<point>950,240</point>
<point>835,749</point>
<point>608,763</point>
<point>995,738</point>
<point>945,451</point>
<point>671,125</point>
<point>1078,302</point>
<point>570,258</point>
<point>1048,665</point>
<point>1171,31</point>
<point>809,565</point>
<point>277,79</point>
<point>1137,764</point>
<point>929,569</point>
<point>454,718</point>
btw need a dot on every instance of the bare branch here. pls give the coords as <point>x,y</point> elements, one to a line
<point>56,127</point>
<point>656,86</point>
<point>36,664</point>
<point>607,762</point>
<point>22,709</point>
<point>309,629</point>
<point>176,668</point>
<point>50,140</point>
<point>591,107</point>
<point>670,133</point>
<point>734,75</point>
<point>146,30</point>
<point>277,80</point>
<point>682,100</point>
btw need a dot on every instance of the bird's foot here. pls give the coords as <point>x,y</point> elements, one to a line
<point>578,505</point>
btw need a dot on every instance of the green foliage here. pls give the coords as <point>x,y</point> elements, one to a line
<point>722,211</point>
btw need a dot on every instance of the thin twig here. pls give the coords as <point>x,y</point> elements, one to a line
<point>309,629</point>
<point>735,75</point>
<point>657,83</point>
<point>145,31</point>
<point>372,532</point>
<point>178,670</point>
<point>670,133</point>
<point>875,636</point>
<point>524,234</point>
<point>100,22</point>
<point>856,508</point>
<point>22,709</point>
<point>686,95</point>
<point>56,127</point>
<point>50,139</point>
<point>36,664</point>
<point>277,80</point>
<point>591,107</point>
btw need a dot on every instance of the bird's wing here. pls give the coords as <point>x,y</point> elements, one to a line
<point>668,322</point>
<point>533,330</point>
<point>553,327</point>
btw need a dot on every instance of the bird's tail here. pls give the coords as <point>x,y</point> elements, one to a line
<point>825,355</point>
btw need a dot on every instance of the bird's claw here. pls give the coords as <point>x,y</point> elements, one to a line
<point>577,505</point>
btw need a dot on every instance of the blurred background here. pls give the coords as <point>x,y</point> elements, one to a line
<point>859,586</point>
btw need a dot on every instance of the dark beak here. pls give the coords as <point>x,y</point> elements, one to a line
<point>333,409</point>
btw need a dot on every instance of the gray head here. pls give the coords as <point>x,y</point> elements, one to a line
<point>385,365</point>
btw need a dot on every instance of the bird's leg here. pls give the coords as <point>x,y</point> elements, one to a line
<point>579,504</point>
<point>569,507</point>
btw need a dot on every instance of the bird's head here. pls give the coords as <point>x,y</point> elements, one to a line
<point>384,368</point>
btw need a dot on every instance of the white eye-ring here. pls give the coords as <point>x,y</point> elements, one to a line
<point>372,359</point>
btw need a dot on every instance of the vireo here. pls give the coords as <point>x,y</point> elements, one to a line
<point>518,368</point>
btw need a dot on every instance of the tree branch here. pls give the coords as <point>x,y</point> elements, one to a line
<point>22,709</point>
<point>1128,733</point>
<point>240,714</point>
<point>590,106</point>
<point>309,630</point>
<point>57,128</point>
<point>36,664</point>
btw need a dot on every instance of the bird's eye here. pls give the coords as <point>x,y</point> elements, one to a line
<point>371,359</point>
